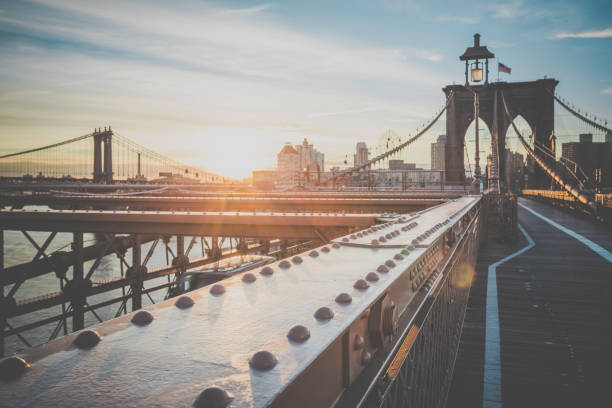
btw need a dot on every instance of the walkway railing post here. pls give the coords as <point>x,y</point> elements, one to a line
<point>78,298</point>
<point>137,273</point>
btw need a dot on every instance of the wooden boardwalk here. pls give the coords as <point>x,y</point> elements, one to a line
<point>555,319</point>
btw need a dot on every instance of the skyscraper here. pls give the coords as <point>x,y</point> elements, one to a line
<point>438,149</point>
<point>361,154</point>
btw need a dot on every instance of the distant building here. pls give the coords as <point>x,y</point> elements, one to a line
<point>609,138</point>
<point>438,149</point>
<point>361,155</point>
<point>595,159</point>
<point>309,158</point>
<point>400,165</point>
<point>288,159</point>
<point>515,171</point>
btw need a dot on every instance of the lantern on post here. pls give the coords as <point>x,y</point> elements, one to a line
<point>474,55</point>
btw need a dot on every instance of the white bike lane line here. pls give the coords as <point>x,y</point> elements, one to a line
<point>491,395</point>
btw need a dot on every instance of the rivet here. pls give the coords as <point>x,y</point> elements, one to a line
<point>184,302</point>
<point>361,284</point>
<point>297,260</point>
<point>87,339</point>
<point>324,313</point>
<point>353,236</point>
<point>382,239</point>
<point>142,318</point>
<point>325,249</point>
<point>313,254</point>
<point>398,257</point>
<point>358,342</point>
<point>298,333</point>
<point>366,357</point>
<point>372,277</point>
<point>217,289</point>
<point>415,242</point>
<point>374,242</point>
<point>389,236</point>
<point>283,264</point>
<point>12,368</point>
<point>390,263</point>
<point>359,235</point>
<point>345,240</point>
<point>213,398</point>
<point>382,269</point>
<point>335,245</point>
<point>249,277</point>
<point>344,298</point>
<point>263,360</point>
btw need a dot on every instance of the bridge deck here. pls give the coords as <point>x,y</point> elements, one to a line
<point>555,326</point>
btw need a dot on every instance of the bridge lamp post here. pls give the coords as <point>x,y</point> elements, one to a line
<point>475,55</point>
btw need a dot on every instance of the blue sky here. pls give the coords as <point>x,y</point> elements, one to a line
<point>224,84</point>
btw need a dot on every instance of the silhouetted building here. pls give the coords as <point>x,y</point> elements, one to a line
<point>515,173</point>
<point>400,165</point>
<point>288,159</point>
<point>595,159</point>
<point>361,154</point>
<point>437,153</point>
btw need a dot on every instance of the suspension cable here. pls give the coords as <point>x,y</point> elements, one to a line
<point>575,192</point>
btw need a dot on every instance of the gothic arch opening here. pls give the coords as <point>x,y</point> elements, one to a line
<point>484,149</point>
<point>517,165</point>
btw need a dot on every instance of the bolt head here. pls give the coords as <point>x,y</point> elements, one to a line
<point>217,289</point>
<point>372,277</point>
<point>213,398</point>
<point>184,302</point>
<point>284,264</point>
<point>390,263</point>
<point>325,249</point>
<point>263,361</point>
<point>87,339</point>
<point>142,318</point>
<point>249,277</point>
<point>335,245</point>
<point>366,357</point>
<point>324,313</point>
<point>361,284</point>
<point>344,298</point>
<point>298,333</point>
<point>382,269</point>
<point>11,368</point>
<point>358,342</point>
<point>297,260</point>
<point>398,257</point>
<point>313,254</point>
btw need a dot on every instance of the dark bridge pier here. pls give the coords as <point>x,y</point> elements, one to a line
<point>532,100</point>
<point>103,156</point>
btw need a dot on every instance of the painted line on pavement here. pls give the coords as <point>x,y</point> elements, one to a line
<point>491,395</point>
<point>604,253</point>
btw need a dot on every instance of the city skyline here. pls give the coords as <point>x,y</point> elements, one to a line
<point>238,79</point>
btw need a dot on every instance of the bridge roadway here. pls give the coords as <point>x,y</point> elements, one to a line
<point>554,318</point>
<point>322,322</point>
<point>235,224</point>
<point>315,203</point>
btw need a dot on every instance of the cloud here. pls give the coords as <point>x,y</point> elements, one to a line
<point>507,10</point>
<point>445,18</point>
<point>247,10</point>
<point>607,91</point>
<point>605,33</point>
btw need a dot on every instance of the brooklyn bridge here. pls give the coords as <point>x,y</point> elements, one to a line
<point>460,295</point>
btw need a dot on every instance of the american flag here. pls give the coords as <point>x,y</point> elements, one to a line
<point>502,68</point>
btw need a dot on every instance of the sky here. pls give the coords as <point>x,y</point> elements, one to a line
<point>223,85</point>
